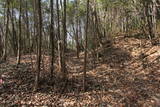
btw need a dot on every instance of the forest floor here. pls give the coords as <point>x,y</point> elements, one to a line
<point>126,75</point>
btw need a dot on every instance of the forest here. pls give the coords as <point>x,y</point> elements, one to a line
<point>79,53</point>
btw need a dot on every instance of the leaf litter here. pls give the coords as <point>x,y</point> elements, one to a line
<point>122,77</point>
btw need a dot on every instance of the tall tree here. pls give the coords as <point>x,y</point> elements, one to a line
<point>64,41</point>
<point>77,28</point>
<point>14,34</point>
<point>59,38</point>
<point>39,45</point>
<point>150,12</point>
<point>6,33</point>
<point>151,18</point>
<point>52,36</point>
<point>1,42</point>
<point>19,36</point>
<point>85,53</point>
<point>35,27</point>
<point>27,25</point>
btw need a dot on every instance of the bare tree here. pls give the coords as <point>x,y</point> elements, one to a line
<point>150,12</point>
<point>77,29</point>
<point>58,35</point>
<point>14,34</point>
<point>27,26</point>
<point>6,33</point>
<point>19,36</point>
<point>52,36</point>
<point>60,41</point>
<point>39,45</point>
<point>86,42</point>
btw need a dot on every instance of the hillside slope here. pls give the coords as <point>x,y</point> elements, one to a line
<point>126,74</point>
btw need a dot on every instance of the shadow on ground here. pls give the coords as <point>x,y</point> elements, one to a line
<point>110,82</point>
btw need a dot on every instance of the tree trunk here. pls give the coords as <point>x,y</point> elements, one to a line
<point>19,36</point>
<point>35,28</point>
<point>52,36</point>
<point>1,45</point>
<point>4,57</point>
<point>39,45</point>
<point>77,32</point>
<point>59,38</point>
<point>85,54</point>
<point>14,35</point>
<point>64,41</point>
<point>99,37</point>
<point>27,28</point>
<point>150,9</point>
